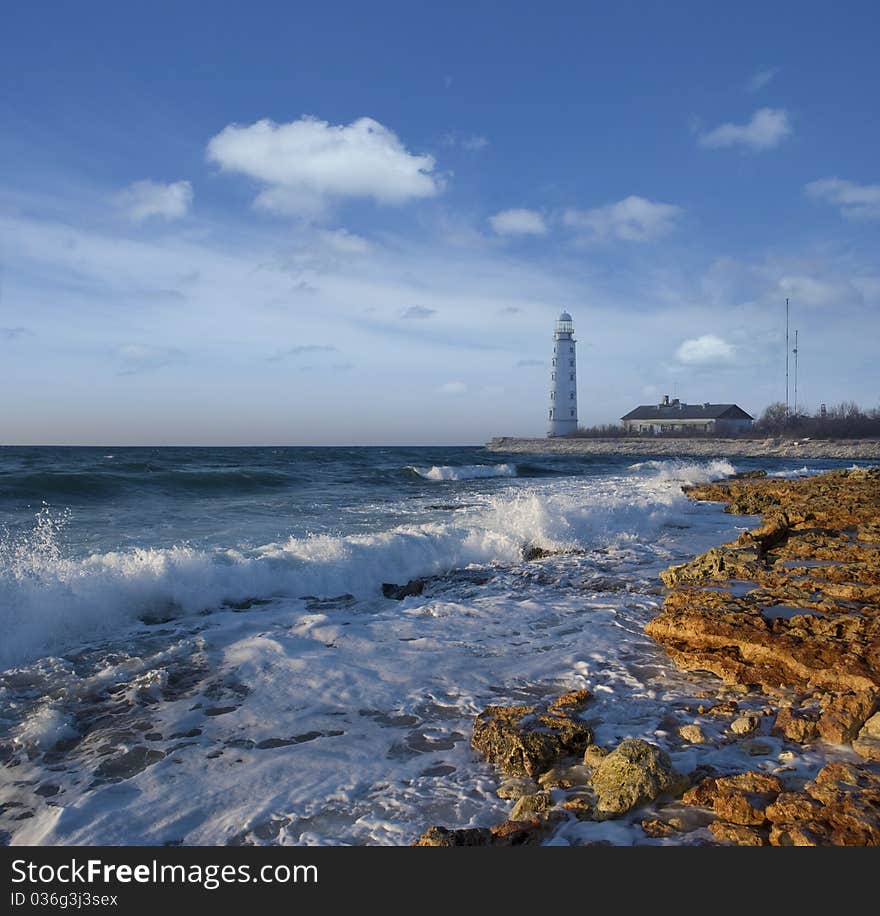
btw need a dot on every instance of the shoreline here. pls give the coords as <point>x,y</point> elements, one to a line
<point>840,449</point>
<point>788,618</point>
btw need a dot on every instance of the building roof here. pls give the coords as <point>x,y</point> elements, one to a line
<point>565,317</point>
<point>672,412</point>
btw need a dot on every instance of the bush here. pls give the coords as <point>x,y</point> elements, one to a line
<point>843,421</point>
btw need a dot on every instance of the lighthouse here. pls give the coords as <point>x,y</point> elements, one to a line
<point>563,379</point>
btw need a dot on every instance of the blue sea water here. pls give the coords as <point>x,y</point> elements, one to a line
<point>144,589</point>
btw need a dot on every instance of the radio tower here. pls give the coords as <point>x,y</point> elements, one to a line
<point>786,359</point>
<point>795,352</point>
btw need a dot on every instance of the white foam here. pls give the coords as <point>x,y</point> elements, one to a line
<point>466,472</point>
<point>50,602</point>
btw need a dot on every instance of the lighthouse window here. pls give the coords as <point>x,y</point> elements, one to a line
<point>571,395</point>
<point>571,412</point>
<point>554,360</point>
<point>551,413</point>
<point>552,376</point>
<point>571,377</point>
<point>571,363</point>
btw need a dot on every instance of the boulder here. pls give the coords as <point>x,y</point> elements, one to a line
<point>867,744</point>
<point>796,727</point>
<point>693,734</point>
<point>523,741</point>
<point>531,806</point>
<point>635,772</point>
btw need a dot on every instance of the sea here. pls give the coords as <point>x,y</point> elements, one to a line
<point>204,646</point>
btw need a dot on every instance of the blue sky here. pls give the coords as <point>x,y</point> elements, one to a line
<point>356,223</point>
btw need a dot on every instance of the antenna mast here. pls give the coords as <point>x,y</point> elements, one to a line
<point>786,359</point>
<point>795,351</point>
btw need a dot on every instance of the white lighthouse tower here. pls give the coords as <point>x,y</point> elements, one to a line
<point>563,379</point>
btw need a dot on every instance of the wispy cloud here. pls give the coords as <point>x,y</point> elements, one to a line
<point>518,221</point>
<point>528,363</point>
<point>300,350</point>
<point>472,143</point>
<point>14,333</point>
<point>135,358</point>
<point>855,201</point>
<point>708,350</point>
<point>345,242</point>
<point>143,200</point>
<point>417,311</point>
<point>766,129</point>
<point>453,388</point>
<point>307,164</point>
<point>510,310</point>
<point>761,78</point>
<point>633,219</point>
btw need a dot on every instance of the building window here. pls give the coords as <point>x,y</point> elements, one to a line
<point>571,395</point>
<point>552,395</point>
<point>572,412</point>
<point>551,413</point>
<point>552,376</point>
<point>571,377</point>
<point>571,363</point>
<point>554,361</point>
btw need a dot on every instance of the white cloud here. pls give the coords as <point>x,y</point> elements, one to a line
<point>761,78</point>
<point>856,201</point>
<point>307,164</point>
<point>704,351</point>
<point>136,357</point>
<point>767,129</point>
<point>820,293</point>
<point>144,199</point>
<point>453,388</point>
<point>634,219</point>
<point>345,242</point>
<point>417,311</point>
<point>518,221</point>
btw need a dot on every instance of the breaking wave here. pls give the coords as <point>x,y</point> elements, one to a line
<point>468,472</point>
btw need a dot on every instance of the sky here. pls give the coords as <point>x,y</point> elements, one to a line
<point>347,223</point>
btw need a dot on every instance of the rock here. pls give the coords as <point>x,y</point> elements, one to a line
<point>739,799</point>
<point>757,748</point>
<point>399,592</point>
<point>523,741</point>
<point>843,715</point>
<point>693,734</point>
<point>867,744</point>
<point>633,773</point>
<point>725,708</point>
<point>516,787</point>
<point>840,807</point>
<point>656,828</point>
<point>571,702</point>
<point>799,728</point>
<point>441,836</point>
<point>797,627</point>
<point>745,725</point>
<point>564,777</point>
<point>737,834</point>
<point>747,475</point>
<point>583,807</point>
<point>594,755</point>
<point>531,806</point>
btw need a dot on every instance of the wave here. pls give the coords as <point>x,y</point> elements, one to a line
<point>51,602</point>
<point>48,486</point>
<point>467,472</point>
<point>686,472</point>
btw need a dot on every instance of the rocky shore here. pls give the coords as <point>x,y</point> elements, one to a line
<point>788,614</point>
<point>840,449</point>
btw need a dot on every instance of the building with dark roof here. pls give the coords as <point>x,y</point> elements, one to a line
<point>677,417</point>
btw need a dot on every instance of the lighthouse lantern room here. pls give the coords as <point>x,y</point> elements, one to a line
<point>563,379</point>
